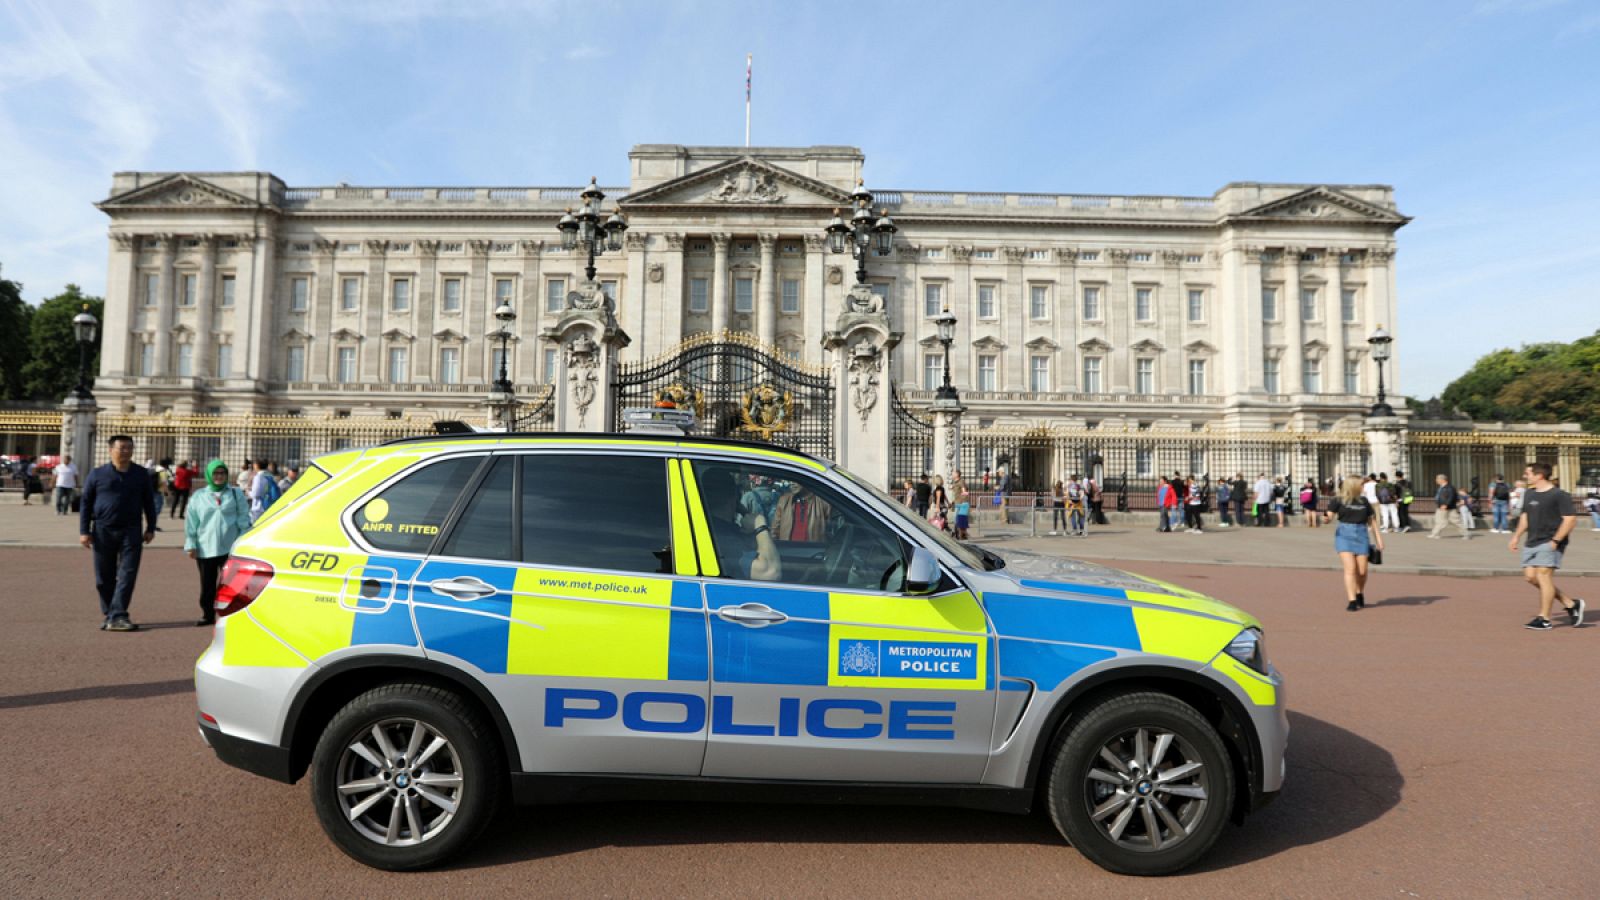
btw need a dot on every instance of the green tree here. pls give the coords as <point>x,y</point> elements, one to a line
<point>1547,383</point>
<point>14,316</point>
<point>52,369</point>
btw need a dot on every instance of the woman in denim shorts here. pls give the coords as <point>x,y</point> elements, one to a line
<point>1355,538</point>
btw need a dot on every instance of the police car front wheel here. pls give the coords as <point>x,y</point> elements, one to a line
<point>1141,784</point>
<point>405,775</point>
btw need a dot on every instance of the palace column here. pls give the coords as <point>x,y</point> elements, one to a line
<point>371,344</point>
<point>164,311</point>
<point>1294,326</point>
<point>670,303</point>
<point>422,348</point>
<point>631,292</point>
<point>767,292</point>
<point>1333,313</point>
<point>719,284</point>
<point>1116,309</point>
<point>528,313</point>
<point>813,294</point>
<point>320,315</point>
<point>122,298</point>
<point>204,340</point>
<point>479,301</point>
<point>1380,309</point>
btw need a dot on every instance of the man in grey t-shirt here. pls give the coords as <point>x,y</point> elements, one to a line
<point>1548,517</point>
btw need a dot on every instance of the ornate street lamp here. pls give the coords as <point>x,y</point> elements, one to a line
<point>501,394</point>
<point>585,229</point>
<point>946,322</point>
<point>84,327</point>
<point>863,232</point>
<point>1380,342</point>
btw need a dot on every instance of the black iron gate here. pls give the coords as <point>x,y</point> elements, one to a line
<point>737,388</point>
<point>910,443</point>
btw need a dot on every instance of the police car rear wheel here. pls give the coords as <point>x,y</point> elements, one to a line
<point>1141,784</point>
<point>405,775</point>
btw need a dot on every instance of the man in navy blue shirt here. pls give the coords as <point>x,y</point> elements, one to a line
<point>115,498</point>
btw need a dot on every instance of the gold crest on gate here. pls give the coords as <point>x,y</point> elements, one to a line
<point>765,411</point>
<point>680,396</point>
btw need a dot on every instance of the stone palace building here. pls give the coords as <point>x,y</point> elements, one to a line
<point>234,293</point>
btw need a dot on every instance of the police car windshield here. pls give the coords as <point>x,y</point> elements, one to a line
<point>957,549</point>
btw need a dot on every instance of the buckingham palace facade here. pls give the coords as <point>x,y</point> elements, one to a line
<point>234,293</point>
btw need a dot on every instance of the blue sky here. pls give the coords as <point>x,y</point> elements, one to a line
<point>1485,116</point>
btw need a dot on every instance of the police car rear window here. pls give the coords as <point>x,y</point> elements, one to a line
<point>407,515</point>
<point>596,512</point>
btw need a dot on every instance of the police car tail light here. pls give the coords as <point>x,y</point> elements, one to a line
<point>242,581</point>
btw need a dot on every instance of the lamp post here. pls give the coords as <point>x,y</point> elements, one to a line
<point>84,327</point>
<point>585,229</point>
<point>1380,342</point>
<point>946,323</point>
<point>501,394</point>
<point>863,232</point>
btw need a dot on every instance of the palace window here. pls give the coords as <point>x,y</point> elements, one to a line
<point>1143,462</point>
<point>453,247</point>
<point>502,291</point>
<point>152,289</point>
<point>1347,305</point>
<point>1091,303</point>
<point>744,295</point>
<point>1039,374</point>
<point>1091,374</point>
<point>1308,304</point>
<point>452,295</point>
<point>1042,255</point>
<point>497,356</point>
<point>1089,256</point>
<point>294,368</point>
<point>1192,258</point>
<point>790,289</point>
<point>986,304</point>
<point>1197,376</point>
<point>397,365</point>
<point>1038,302</point>
<point>1144,376</point>
<point>299,294</point>
<point>699,295</point>
<point>555,295</point>
<point>1141,257</point>
<point>400,295</point>
<point>349,247</point>
<point>932,299</point>
<point>227,291</point>
<point>450,365</point>
<point>550,360</point>
<point>1311,378</point>
<point>1197,305</point>
<point>147,359</point>
<point>1352,376</point>
<point>933,253</point>
<point>349,294</point>
<point>1269,304</point>
<point>224,360</point>
<point>983,254</point>
<point>347,365</point>
<point>987,374</point>
<point>932,371</point>
<point>1269,375</point>
<point>1143,305</point>
<point>187,290</point>
<point>185,360</point>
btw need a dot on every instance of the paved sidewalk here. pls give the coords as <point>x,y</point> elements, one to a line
<point>1295,547</point>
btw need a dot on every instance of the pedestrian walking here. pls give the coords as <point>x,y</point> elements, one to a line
<point>1519,489</point>
<point>1445,500</point>
<point>1499,506</point>
<point>1592,505</point>
<point>1308,503</point>
<point>908,495</point>
<point>1097,501</point>
<point>64,485</point>
<point>1388,504</point>
<point>211,524</point>
<point>182,483</point>
<point>1354,538</point>
<point>963,498</point>
<point>1241,494</point>
<point>1163,495</point>
<point>1403,491</point>
<point>31,483</point>
<point>939,505</point>
<point>1280,499</point>
<point>1548,518</point>
<point>924,495</point>
<point>1224,501</point>
<point>117,497</point>
<point>1193,505</point>
<point>161,476</point>
<point>1464,509</point>
<point>264,491</point>
<point>1077,500</point>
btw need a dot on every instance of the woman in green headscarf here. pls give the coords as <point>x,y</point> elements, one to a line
<point>217,516</point>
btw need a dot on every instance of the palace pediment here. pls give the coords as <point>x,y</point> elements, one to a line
<point>1323,203</point>
<point>178,190</point>
<point>740,182</point>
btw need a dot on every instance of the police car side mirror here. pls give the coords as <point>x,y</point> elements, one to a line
<point>922,572</point>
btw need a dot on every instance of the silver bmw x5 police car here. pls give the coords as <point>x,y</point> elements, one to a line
<point>437,625</point>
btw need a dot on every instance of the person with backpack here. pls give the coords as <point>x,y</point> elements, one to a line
<point>1445,499</point>
<point>1402,490</point>
<point>1224,499</point>
<point>1500,504</point>
<point>1076,500</point>
<point>263,490</point>
<point>1388,504</point>
<point>1308,503</point>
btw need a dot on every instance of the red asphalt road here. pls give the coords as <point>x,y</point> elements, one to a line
<point>1438,750</point>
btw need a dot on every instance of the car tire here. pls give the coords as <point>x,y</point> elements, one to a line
<point>1136,760</point>
<point>373,801</point>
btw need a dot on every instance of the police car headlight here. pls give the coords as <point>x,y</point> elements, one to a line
<point>1249,649</point>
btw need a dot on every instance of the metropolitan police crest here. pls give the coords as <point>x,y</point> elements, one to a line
<point>858,658</point>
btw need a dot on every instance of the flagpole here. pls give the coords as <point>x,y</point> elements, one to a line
<point>749,67</point>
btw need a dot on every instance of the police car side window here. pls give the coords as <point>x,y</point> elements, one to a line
<point>484,529</point>
<point>596,512</point>
<point>407,515</point>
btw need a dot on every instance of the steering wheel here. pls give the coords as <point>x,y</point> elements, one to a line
<point>833,560</point>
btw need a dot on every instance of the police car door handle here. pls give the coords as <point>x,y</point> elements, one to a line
<point>464,587</point>
<point>755,615</point>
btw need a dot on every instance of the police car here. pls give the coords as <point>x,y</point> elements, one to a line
<point>436,625</point>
